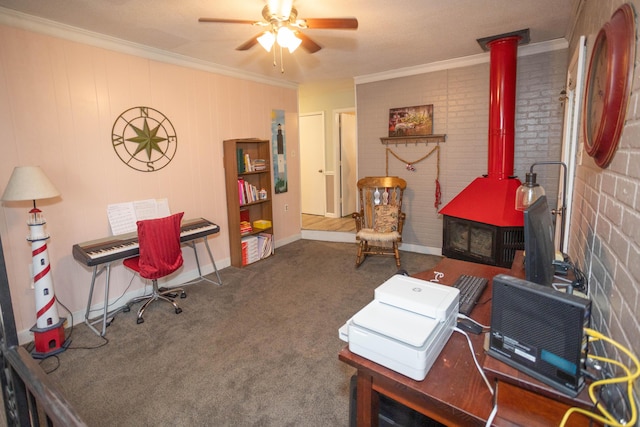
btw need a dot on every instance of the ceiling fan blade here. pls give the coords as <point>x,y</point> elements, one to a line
<point>249,43</point>
<point>332,23</point>
<point>226,21</point>
<point>308,44</point>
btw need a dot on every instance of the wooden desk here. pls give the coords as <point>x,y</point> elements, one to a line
<point>454,393</point>
<point>523,400</point>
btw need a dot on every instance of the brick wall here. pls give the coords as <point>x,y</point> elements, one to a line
<point>461,111</point>
<point>605,231</point>
<point>539,117</point>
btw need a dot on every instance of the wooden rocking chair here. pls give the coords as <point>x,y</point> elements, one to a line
<point>380,219</point>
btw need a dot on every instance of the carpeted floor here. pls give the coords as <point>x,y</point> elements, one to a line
<point>261,350</point>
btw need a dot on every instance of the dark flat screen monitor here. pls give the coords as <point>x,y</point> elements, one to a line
<point>539,248</point>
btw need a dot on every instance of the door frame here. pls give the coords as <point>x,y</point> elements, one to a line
<point>321,192</point>
<point>572,150</point>
<point>337,156</point>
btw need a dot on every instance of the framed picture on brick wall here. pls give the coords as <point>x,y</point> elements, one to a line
<point>411,121</point>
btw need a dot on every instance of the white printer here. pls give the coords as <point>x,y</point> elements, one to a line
<point>406,326</point>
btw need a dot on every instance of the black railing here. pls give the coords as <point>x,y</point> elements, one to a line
<point>30,397</point>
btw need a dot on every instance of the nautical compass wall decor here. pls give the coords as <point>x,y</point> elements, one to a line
<point>144,139</point>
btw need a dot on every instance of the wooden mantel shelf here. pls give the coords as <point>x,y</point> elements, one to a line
<point>412,139</point>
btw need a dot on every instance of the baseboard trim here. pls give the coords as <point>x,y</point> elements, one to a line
<point>76,318</point>
<point>329,236</point>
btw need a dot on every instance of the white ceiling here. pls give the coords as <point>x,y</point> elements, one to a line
<point>392,34</point>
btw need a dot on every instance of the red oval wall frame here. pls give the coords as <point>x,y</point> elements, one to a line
<point>608,85</point>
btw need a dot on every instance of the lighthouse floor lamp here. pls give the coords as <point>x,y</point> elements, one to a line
<point>30,183</point>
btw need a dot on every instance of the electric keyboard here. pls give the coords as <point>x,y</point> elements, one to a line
<point>471,288</point>
<point>123,246</point>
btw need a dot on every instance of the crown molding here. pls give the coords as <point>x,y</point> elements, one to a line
<point>24,21</point>
<point>466,61</point>
<point>35,24</point>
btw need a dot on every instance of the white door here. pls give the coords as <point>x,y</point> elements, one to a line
<point>570,143</point>
<point>348,173</point>
<point>312,163</point>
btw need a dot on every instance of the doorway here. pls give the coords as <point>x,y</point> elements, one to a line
<point>328,184</point>
<point>312,148</point>
<point>346,122</point>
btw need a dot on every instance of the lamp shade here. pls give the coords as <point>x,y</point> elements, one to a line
<point>286,38</point>
<point>528,192</point>
<point>29,183</point>
<point>294,42</point>
<point>266,40</point>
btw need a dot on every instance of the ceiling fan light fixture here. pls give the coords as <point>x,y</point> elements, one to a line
<point>286,38</point>
<point>293,44</point>
<point>281,9</point>
<point>266,40</point>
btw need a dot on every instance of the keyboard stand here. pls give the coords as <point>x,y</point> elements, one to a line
<point>192,244</point>
<point>97,271</point>
<point>107,316</point>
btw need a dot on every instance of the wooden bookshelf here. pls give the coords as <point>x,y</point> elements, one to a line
<point>239,204</point>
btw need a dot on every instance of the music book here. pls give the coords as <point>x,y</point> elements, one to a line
<point>123,216</point>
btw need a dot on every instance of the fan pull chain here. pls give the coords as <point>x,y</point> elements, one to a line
<point>281,63</point>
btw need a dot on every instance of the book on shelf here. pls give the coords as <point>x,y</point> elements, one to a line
<point>265,244</point>
<point>240,159</point>
<point>247,163</point>
<point>241,197</point>
<point>250,252</point>
<point>247,192</point>
<point>245,227</point>
<point>255,248</point>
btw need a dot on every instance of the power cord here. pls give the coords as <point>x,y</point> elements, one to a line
<point>579,282</point>
<point>605,416</point>
<point>493,414</point>
<point>473,354</point>
<point>485,328</point>
<point>55,357</point>
<point>104,342</point>
<point>121,295</point>
<point>494,411</point>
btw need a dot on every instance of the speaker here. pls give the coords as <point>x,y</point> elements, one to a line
<point>540,331</point>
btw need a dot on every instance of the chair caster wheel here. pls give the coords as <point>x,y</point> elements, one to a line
<point>183,295</point>
<point>139,320</point>
<point>126,309</point>
<point>178,310</point>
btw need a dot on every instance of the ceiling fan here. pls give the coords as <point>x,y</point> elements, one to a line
<point>282,25</point>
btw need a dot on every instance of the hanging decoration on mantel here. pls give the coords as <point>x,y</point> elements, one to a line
<point>411,168</point>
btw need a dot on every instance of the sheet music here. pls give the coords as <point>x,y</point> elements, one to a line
<point>123,216</point>
<point>163,208</point>
<point>145,209</point>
